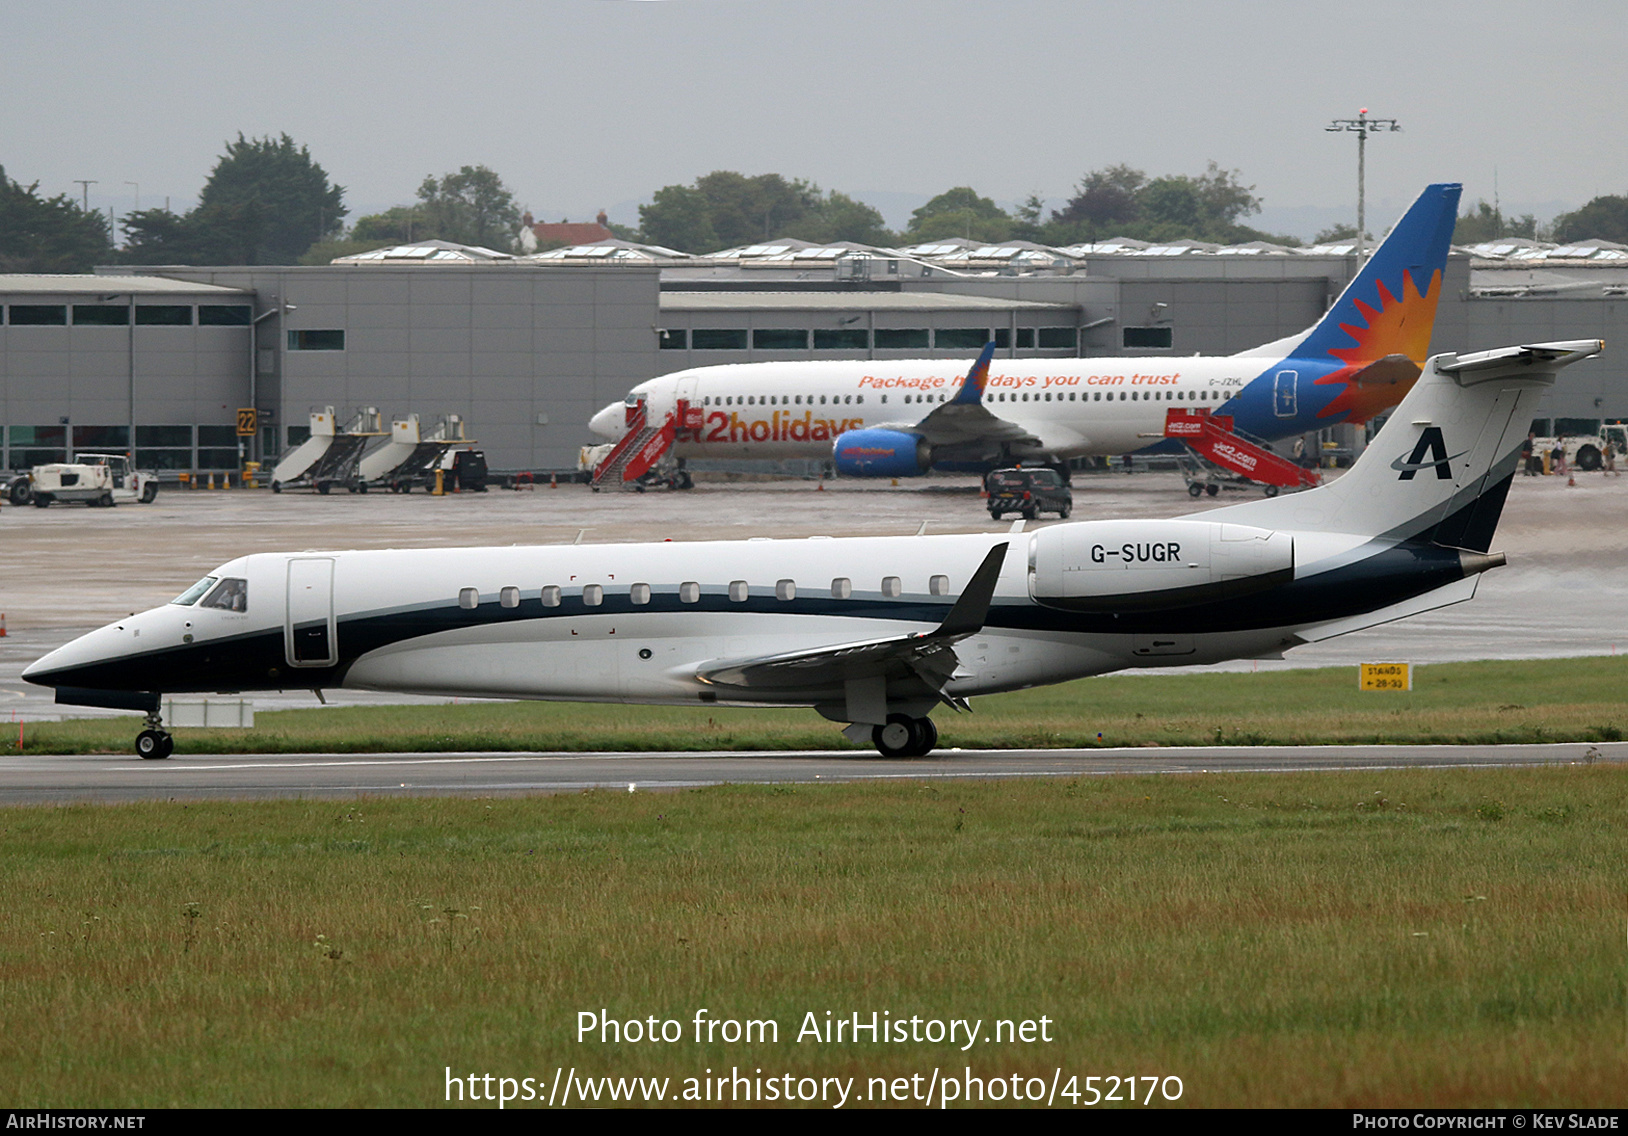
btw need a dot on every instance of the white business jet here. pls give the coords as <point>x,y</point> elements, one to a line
<point>870,632</point>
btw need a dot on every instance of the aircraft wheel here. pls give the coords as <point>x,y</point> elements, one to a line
<point>1271,490</point>
<point>154,745</point>
<point>150,493</point>
<point>929,737</point>
<point>1212,489</point>
<point>1195,490</point>
<point>900,737</point>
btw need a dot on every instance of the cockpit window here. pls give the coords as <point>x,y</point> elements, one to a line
<point>190,596</point>
<point>231,594</point>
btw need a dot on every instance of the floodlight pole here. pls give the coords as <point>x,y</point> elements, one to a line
<point>1361,126</point>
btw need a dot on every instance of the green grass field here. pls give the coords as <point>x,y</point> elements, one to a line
<point>1397,938</point>
<point>1548,700</point>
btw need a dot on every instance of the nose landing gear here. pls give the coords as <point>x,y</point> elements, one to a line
<point>154,743</point>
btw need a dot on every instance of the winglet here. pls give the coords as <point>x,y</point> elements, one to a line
<point>972,387</point>
<point>972,608</point>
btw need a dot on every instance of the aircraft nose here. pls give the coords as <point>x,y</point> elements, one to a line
<point>609,423</point>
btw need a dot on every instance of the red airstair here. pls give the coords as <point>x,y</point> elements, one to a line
<point>639,449</point>
<point>1212,438</point>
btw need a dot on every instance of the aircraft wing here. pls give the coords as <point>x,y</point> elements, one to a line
<point>964,418</point>
<point>928,655</point>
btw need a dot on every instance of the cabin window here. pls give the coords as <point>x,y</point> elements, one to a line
<point>841,588</point>
<point>939,585</point>
<point>737,591</point>
<point>469,598</point>
<point>890,587</point>
<point>231,594</point>
<point>593,595</point>
<point>509,597</point>
<point>785,590</point>
<point>639,593</point>
<point>551,596</point>
<point>689,592</point>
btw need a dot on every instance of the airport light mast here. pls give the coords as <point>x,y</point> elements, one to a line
<point>1361,126</point>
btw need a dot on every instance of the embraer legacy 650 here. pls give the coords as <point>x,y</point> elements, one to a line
<point>896,418</point>
<point>872,632</point>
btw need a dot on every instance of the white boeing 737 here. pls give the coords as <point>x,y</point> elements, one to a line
<point>870,632</point>
<point>899,418</point>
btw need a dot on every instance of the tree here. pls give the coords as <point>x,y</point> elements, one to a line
<point>1335,233</point>
<point>959,212</point>
<point>838,217</point>
<point>1121,201</point>
<point>470,207</point>
<point>1104,202</point>
<point>1604,218</point>
<point>398,225</point>
<point>47,234</point>
<point>678,217</point>
<point>266,202</point>
<point>1483,222</point>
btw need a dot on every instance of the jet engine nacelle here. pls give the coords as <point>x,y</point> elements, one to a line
<point>1143,565</point>
<point>881,453</point>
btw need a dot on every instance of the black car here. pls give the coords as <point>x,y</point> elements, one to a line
<point>1029,492</point>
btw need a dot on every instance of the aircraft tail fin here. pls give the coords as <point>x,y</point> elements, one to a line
<point>1439,469</point>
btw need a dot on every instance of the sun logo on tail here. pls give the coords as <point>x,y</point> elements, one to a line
<point>1389,351</point>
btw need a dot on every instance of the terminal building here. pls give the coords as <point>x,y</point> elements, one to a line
<point>161,359</point>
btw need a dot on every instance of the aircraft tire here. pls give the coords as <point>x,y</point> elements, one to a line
<point>900,737</point>
<point>154,745</point>
<point>929,737</point>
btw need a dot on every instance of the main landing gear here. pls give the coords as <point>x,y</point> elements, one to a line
<point>154,743</point>
<point>904,736</point>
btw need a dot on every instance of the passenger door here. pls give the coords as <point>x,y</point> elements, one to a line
<point>309,633</point>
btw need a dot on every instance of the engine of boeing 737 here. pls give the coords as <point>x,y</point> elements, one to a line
<point>881,453</point>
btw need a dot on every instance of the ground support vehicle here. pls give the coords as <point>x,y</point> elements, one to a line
<point>1228,457</point>
<point>1028,492</point>
<point>95,479</point>
<point>330,456</point>
<point>1586,452</point>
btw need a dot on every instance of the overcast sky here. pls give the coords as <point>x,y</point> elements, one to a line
<point>583,104</point>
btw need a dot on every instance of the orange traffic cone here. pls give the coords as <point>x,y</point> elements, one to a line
<point>2,625</point>
<point>1571,480</point>
<point>553,481</point>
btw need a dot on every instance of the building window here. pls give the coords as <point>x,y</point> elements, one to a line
<point>102,438</point>
<point>718,339</point>
<point>890,587</point>
<point>551,596</point>
<point>779,339</point>
<point>593,595</point>
<point>39,315</point>
<point>901,338</point>
<point>218,435</point>
<point>1057,338</point>
<point>785,590</point>
<point>1003,338</point>
<point>673,340</point>
<point>639,593</point>
<point>737,591</point>
<point>164,315</point>
<point>1025,338</point>
<point>469,598</point>
<point>689,592</point>
<point>961,338</point>
<point>509,597</point>
<point>841,339</point>
<point>1148,337</point>
<point>224,315</point>
<point>317,339</point>
<point>210,459</point>
<point>101,315</point>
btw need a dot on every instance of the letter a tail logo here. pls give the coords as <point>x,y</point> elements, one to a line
<point>1430,444</point>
